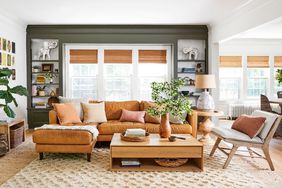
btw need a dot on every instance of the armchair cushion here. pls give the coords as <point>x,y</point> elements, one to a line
<point>232,134</point>
<point>270,119</point>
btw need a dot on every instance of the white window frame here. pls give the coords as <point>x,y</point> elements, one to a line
<point>135,92</point>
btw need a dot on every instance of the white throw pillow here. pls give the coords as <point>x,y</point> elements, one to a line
<point>76,103</point>
<point>94,112</point>
<point>177,120</point>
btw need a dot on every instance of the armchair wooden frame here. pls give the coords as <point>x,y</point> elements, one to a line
<point>236,144</point>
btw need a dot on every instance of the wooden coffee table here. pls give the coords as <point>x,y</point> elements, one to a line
<point>156,147</point>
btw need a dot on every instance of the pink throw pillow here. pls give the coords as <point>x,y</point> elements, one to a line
<point>249,125</point>
<point>134,116</point>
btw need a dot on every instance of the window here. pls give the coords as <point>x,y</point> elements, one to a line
<point>118,82</point>
<point>115,72</point>
<point>257,82</point>
<point>230,83</point>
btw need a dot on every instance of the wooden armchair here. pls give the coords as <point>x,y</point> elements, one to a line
<point>238,139</point>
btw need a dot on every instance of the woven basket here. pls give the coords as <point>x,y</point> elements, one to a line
<point>3,144</point>
<point>134,139</point>
<point>16,136</point>
<point>171,162</point>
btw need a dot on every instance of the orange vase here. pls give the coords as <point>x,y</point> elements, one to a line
<point>165,129</point>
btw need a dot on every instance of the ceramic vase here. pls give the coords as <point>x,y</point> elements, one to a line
<point>165,129</point>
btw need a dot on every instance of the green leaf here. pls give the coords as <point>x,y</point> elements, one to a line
<point>20,90</point>
<point>4,81</point>
<point>10,113</point>
<point>5,72</point>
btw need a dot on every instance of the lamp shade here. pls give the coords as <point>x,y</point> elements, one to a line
<point>205,81</point>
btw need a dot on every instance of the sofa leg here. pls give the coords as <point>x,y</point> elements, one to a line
<point>40,156</point>
<point>89,157</point>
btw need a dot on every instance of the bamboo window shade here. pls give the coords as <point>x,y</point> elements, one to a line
<point>152,56</point>
<point>118,56</point>
<point>230,61</point>
<point>83,56</point>
<point>258,62</point>
<point>277,61</point>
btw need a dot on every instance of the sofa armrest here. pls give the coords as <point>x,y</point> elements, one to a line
<point>53,119</point>
<point>193,121</point>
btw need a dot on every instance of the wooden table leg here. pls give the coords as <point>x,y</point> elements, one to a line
<point>206,126</point>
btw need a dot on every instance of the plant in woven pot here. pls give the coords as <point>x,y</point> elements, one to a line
<point>168,100</point>
<point>7,92</point>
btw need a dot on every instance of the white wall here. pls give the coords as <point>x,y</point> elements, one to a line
<point>244,48</point>
<point>15,31</point>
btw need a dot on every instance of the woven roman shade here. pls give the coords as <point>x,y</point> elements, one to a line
<point>258,62</point>
<point>277,61</point>
<point>81,56</point>
<point>117,56</point>
<point>230,61</point>
<point>152,56</point>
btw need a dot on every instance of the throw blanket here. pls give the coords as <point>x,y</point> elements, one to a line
<point>90,128</point>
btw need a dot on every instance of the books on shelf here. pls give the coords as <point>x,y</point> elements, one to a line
<point>40,105</point>
<point>130,163</point>
<point>135,132</point>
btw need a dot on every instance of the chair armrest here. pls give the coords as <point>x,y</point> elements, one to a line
<point>53,119</point>
<point>193,121</point>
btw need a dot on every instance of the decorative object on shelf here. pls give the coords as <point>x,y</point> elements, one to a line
<point>36,68</point>
<point>44,52</point>
<point>40,105</point>
<point>199,67</point>
<point>52,93</point>
<point>188,70</point>
<point>56,70</point>
<point>134,139</point>
<point>279,76</point>
<point>47,67</point>
<point>40,79</point>
<point>189,81</point>
<point>50,76</point>
<point>3,144</point>
<point>191,52</point>
<point>52,100</point>
<point>185,92</point>
<point>41,91</point>
<point>168,99</point>
<point>205,81</point>
<point>171,162</point>
<point>7,94</point>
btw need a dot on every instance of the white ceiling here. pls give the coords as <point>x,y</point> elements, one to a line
<point>121,11</point>
<point>272,30</point>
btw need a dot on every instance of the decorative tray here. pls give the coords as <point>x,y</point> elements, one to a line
<point>134,139</point>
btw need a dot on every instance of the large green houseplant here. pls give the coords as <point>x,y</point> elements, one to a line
<point>7,92</point>
<point>279,76</point>
<point>168,100</point>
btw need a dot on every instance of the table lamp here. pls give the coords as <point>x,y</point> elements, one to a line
<point>205,101</point>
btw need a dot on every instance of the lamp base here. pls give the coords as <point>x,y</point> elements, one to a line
<point>205,101</point>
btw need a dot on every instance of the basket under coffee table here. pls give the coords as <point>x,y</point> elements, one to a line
<point>154,148</point>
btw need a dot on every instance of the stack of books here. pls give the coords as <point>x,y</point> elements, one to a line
<point>40,105</point>
<point>135,132</point>
<point>130,163</point>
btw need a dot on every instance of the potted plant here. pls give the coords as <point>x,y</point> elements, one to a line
<point>36,68</point>
<point>7,92</point>
<point>50,76</point>
<point>168,100</point>
<point>41,90</point>
<point>279,76</point>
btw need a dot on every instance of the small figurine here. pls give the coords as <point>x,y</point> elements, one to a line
<point>47,47</point>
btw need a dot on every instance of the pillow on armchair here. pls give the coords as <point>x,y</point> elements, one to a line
<point>249,125</point>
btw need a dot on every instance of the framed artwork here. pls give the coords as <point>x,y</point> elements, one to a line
<point>13,60</point>
<point>13,74</point>
<point>9,60</point>
<point>4,44</point>
<point>4,59</point>
<point>0,43</point>
<point>47,67</point>
<point>13,47</point>
<point>0,58</point>
<point>9,46</point>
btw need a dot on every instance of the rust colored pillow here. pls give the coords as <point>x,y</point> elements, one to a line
<point>67,113</point>
<point>148,117</point>
<point>249,125</point>
<point>132,116</point>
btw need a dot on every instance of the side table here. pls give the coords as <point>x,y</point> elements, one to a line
<point>6,126</point>
<point>206,125</point>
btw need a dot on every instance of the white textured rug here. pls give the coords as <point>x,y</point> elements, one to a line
<point>72,170</point>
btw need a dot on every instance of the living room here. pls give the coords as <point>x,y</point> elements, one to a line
<point>141,93</point>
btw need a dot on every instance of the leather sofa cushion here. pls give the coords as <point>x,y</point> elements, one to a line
<point>113,109</point>
<point>115,126</point>
<point>62,137</point>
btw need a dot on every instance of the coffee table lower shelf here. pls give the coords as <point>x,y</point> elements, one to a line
<point>148,164</point>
